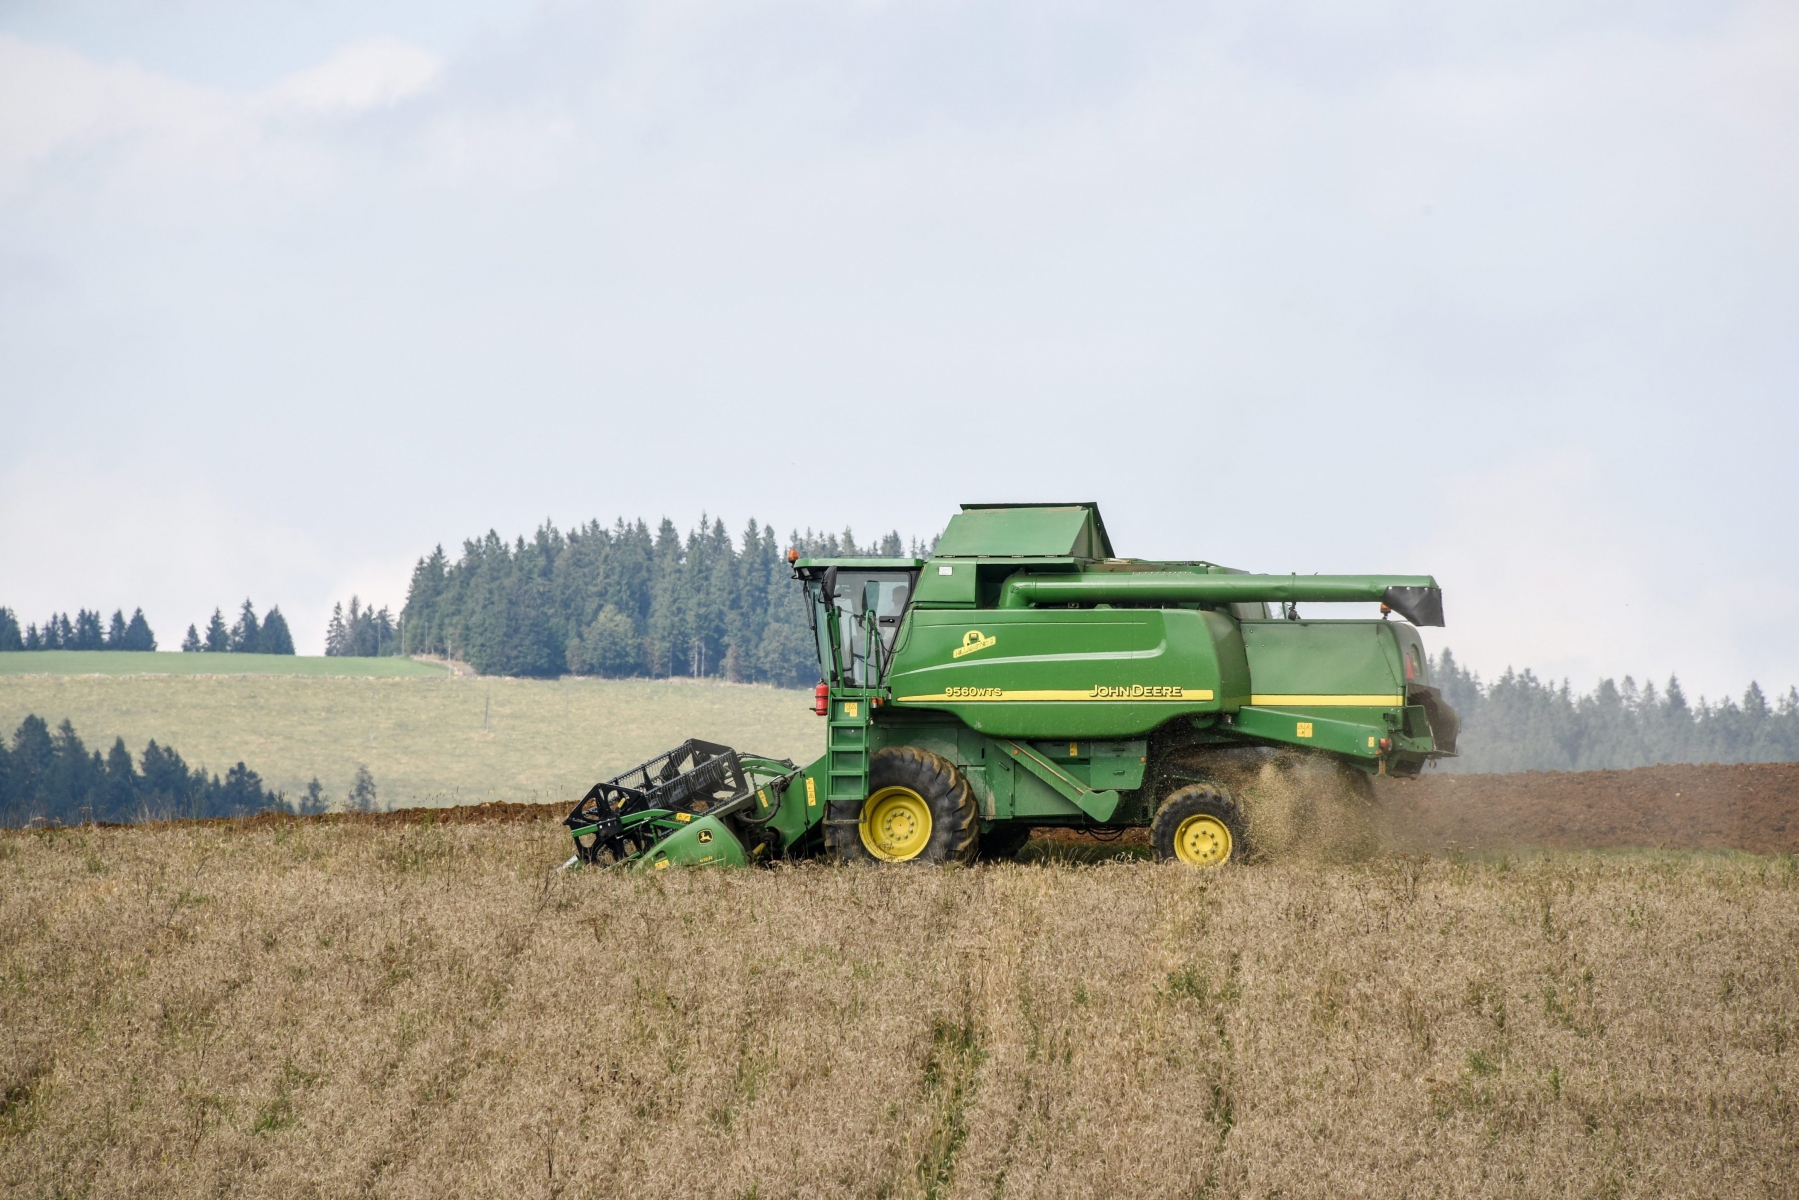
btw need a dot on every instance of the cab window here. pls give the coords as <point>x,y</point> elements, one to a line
<point>882,594</point>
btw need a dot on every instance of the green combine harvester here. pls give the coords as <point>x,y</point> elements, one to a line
<point>1024,677</point>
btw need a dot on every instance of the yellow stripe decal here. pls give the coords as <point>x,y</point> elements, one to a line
<point>1328,701</point>
<point>1142,695</point>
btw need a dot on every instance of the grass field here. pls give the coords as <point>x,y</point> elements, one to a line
<point>133,662</point>
<point>437,740</point>
<point>308,1009</point>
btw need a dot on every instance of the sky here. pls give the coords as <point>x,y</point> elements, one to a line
<point>1500,292</point>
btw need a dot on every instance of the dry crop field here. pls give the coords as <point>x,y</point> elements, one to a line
<point>332,1008</point>
<point>433,740</point>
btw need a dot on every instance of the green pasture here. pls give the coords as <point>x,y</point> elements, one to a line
<point>163,662</point>
<point>427,740</point>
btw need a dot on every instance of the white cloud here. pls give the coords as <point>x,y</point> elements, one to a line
<point>377,73</point>
<point>58,106</point>
<point>154,145</point>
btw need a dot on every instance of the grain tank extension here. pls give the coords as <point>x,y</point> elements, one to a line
<point>1025,676</point>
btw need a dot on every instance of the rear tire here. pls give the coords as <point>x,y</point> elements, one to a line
<point>919,809</point>
<point>1291,802</point>
<point>1199,825</point>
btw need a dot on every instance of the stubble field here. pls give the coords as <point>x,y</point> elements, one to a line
<point>291,1008</point>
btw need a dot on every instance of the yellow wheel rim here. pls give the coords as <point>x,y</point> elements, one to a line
<point>1203,841</point>
<point>896,824</point>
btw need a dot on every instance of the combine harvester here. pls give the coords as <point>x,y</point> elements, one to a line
<point>1025,676</point>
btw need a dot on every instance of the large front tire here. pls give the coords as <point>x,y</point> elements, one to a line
<point>919,809</point>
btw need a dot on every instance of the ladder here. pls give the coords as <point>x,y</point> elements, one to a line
<point>846,749</point>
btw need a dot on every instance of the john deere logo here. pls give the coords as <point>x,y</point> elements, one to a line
<point>705,836</point>
<point>972,641</point>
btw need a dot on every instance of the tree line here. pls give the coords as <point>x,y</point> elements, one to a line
<point>363,633</point>
<point>1521,723</point>
<point>246,635</point>
<point>623,601</point>
<point>51,778</point>
<point>85,632</point>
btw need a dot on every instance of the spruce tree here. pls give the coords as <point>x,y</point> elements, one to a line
<point>362,792</point>
<point>119,800</point>
<point>418,618</point>
<point>168,790</point>
<point>138,635</point>
<point>9,631</point>
<point>89,633</point>
<point>30,769</point>
<point>191,643</point>
<point>337,634</point>
<point>276,639</point>
<point>610,647</point>
<point>73,789</point>
<point>246,633</point>
<point>115,634</point>
<point>218,638</point>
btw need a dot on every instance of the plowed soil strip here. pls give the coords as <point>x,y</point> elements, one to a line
<point>1749,806</point>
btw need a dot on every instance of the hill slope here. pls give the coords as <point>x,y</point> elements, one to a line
<point>434,740</point>
<point>289,1008</point>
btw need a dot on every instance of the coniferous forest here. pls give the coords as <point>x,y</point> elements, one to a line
<point>52,777</point>
<point>85,632</point>
<point>623,601</point>
<point>1522,723</point>
<point>247,635</point>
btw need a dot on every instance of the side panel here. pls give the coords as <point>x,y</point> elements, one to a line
<point>1003,788</point>
<point>950,583</point>
<point>1332,685</point>
<point>1338,660</point>
<point>1050,673</point>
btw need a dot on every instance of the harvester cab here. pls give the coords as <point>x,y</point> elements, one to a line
<point>855,607</point>
<point>1025,677</point>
